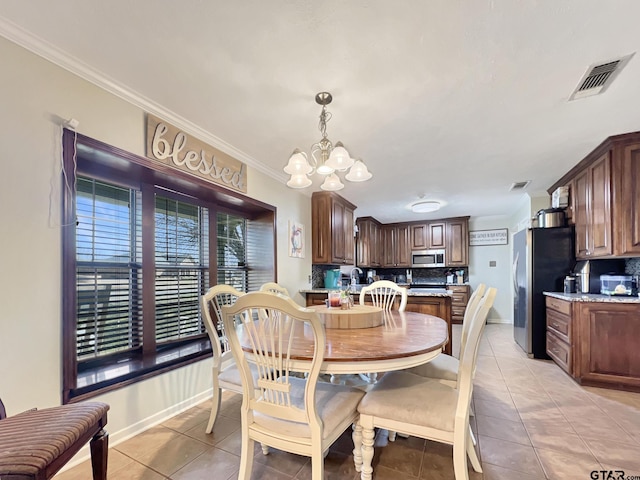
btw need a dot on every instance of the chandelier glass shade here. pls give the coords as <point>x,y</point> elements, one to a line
<point>326,158</point>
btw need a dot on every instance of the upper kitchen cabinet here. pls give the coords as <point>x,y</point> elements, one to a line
<point>332,229</point>
<point>369,245</point>
<point>428,235</point>
<point>396,252</point>
<point>457,242</point>
<point>605,199</point>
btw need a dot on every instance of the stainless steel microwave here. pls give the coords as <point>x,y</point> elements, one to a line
<point>427,258</point>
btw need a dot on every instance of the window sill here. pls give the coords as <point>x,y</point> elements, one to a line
<point>99,379</point>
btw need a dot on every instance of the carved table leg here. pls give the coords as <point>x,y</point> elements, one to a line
<point>368,435</point>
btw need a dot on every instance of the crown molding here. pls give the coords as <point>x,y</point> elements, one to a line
<point>62,59</point>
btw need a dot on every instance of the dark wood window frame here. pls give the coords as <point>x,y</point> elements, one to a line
<point>87,157</point>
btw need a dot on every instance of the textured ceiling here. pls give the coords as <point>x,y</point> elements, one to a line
<point>449,100</point>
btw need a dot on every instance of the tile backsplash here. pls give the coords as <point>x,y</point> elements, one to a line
<point>632,266</point>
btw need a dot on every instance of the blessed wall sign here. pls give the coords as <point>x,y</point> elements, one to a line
<point>169,145</point>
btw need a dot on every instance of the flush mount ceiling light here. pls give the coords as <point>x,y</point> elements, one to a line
<point>326,158</point>
<point>425,206</point>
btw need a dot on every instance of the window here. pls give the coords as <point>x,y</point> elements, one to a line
<point>140,246</point>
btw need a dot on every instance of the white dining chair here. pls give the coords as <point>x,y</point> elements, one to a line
<point>424,407</point>
<point>274,287</point>
<point>297,415</point>
<point>445,367</point>
<point>383,294</point>
<point>225,373</point>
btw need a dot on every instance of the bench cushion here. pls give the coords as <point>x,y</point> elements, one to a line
<point>31,441</point>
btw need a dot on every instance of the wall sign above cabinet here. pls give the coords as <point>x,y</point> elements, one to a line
<point>488,237</point>
<point>171,146</point>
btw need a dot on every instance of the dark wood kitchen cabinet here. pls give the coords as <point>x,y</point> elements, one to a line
<point>604,199</point>
<point>459,300</point>
<point>332,229</point>
<point>595,342</point>
<point>424,236</point>
<point>592,209</point>
<point>396,251</point>
<point>369,245</point>
<point>457,241</point>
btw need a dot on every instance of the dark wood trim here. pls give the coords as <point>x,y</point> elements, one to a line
<point>104,156</point>
<point>104,162</point>
<point>148,270</point>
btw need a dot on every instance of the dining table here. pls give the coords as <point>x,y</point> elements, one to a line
<point>403,340</point>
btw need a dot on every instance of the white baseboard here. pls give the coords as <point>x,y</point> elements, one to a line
<point>139,427</point>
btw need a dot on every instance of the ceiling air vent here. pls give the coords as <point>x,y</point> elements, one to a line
<point>598,77</point>
<point>519,185</point>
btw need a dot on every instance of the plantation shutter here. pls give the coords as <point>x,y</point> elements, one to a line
<point>182,266</point>
<point>108,272</point>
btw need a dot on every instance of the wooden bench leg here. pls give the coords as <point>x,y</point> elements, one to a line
<point>99,446</point>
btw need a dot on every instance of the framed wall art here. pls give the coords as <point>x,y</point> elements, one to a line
<point>296,239</point>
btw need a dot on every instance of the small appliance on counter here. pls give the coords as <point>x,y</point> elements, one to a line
<point>332,279</point>
<point>616,284</point>
<point>588,273</point>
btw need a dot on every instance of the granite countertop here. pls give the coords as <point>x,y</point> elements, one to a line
<point>593,297</point>
<point>412,292</point>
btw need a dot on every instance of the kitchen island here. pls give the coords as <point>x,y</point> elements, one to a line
<point>432,301</point>
<point>594,338</point>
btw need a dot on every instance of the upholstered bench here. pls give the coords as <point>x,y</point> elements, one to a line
<point>35,445</point>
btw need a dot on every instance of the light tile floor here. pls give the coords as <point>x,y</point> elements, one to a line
<point>532,422</point>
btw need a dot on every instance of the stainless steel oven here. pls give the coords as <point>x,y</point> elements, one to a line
<point>427,258</point>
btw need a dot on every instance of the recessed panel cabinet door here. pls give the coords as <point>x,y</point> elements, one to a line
<point>419,238</point>
<point>436,232</point>
<point>457,253</point>
<point>630,244</point>
<point>580,199</point>
<point>601,243</point>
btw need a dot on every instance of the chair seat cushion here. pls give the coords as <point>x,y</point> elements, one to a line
<point>31,441</point>
<point>443,366</point>
<point>412,399</point>
<point>334,403</point>
<point>231,377</point>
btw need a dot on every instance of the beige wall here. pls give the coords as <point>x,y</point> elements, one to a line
<point>36,95</point>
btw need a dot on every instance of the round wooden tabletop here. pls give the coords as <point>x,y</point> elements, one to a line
<point>406,339</point>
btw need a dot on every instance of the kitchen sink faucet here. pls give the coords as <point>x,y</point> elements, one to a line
<point>353,277</point>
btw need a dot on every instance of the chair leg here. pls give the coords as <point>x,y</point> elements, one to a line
<point>460,455</point>
<point>99,446</point>
<point>246,458</point>
<point>317,466</point>
<point>215,407</point>
<point>357,446</point>
<point>368,436</point>
<point>473,456</point>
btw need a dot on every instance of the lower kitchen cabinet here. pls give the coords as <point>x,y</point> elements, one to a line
<point>459,300</point>
<point>595,342</point>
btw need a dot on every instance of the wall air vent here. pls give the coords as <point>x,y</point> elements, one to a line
<point>598,77</point>
<point>519,185</point>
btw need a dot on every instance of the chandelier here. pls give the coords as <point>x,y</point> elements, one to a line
<point>326,158</point>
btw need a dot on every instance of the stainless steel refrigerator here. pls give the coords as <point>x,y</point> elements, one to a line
<point>542,257</point>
